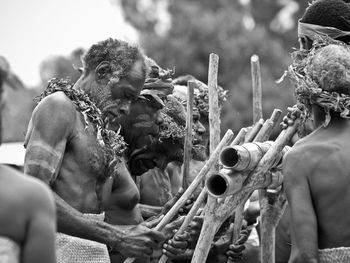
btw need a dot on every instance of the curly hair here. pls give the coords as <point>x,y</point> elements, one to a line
<point>329,13</point>
<point>122,54</point>
<point>330,69</point>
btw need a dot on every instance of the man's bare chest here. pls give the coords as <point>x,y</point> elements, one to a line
<point>88,150</point>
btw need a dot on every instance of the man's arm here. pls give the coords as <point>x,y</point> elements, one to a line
<point>297,167</point>
<point>50,128</point>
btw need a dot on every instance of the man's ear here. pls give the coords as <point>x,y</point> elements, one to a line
<point>103,70</point>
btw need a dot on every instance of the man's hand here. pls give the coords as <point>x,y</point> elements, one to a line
<point>235,252</point>
<point>176,246</point>
<point>138,241</point>
<point>187,206</point>
<point>293,113</point>
<point>194,229</point>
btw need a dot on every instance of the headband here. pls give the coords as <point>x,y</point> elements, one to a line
<point>312,31</point>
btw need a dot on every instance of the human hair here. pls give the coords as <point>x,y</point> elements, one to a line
<point>329,13</point>
<point>119,52</point>
<point>330,69</point>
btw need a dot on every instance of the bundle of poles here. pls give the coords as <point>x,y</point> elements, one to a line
<point>237,166</point>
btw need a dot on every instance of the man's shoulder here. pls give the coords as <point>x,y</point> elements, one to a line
<point>56,107</point>
<point>306,155</point>
<point>57,101</point>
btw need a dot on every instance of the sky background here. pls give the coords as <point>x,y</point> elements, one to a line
<point>32,30</point>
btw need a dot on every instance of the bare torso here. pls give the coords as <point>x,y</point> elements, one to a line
<point>325,156</point>
<point>329,185</point>
<point>82,172</point>
<point>121,207</point>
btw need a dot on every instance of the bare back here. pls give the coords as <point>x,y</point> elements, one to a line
<point>317,177</point>
<point>329,185</point>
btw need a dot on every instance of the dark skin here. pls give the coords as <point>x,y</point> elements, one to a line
<point>63,153</point>
<point>320,164</point>
<point>140,129</point>
<point>28,215</point>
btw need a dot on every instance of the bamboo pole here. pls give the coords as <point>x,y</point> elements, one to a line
<point>188,137</point>
<point>226,140</point>
<point>257,90</point>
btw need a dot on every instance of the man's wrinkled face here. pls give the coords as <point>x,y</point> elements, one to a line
<point>113,95</point>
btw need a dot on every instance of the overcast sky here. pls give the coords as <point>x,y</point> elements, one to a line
<point>31,30</point>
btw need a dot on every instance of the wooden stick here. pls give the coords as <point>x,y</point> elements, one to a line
<point>214,110</point>
<point>188,137</point>
<point>257,90</point>
<point>272,206</point>
<point>240,137</point>
<point>214,126</point>
<point>254,131</point>
<point>268,126</point>
<point>191,214</point>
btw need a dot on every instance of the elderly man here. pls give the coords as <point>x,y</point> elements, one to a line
<point>70,149</point>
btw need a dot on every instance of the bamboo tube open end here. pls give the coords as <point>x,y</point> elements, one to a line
<point>224,183</point>
<point>229,157</point>
<point>216,185</point>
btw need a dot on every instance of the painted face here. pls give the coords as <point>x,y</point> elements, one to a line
<point>141,126</point>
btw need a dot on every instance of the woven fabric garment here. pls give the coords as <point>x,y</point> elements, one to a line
<point>9,250</point>
<point>334,255</point>
<point>73,249</point>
